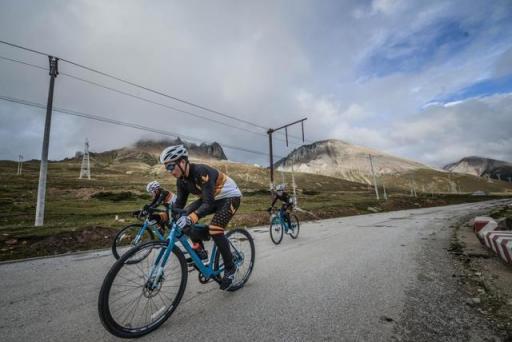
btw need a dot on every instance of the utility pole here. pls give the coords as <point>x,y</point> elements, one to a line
<point>295,200</point>
<point>85,170</point>
<point>272,130</point>
<point>20,164</point>
<point>43,171</point>
<point>374,178</point>
<point>413,187</point>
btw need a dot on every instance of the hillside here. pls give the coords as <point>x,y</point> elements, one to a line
<point>483,167</point>
<point>82,214</point>
<point>148,152</point>
<point>339,159</point>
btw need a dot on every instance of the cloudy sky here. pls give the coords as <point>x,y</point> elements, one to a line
<point>425,80</point>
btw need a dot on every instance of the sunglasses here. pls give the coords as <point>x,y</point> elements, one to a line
<point>170,167</point>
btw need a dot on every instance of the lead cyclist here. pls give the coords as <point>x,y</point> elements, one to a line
<point>218,195</point>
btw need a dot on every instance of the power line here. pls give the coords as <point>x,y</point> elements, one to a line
<point>134,96</point>
<point>164,105</point>
<point>157,103</point>
<point>25,63</point>
<point>136,85</point>
<point>141,87</point>
<point>121,123</point>
<point>139,97</point>
<point>24,48</point>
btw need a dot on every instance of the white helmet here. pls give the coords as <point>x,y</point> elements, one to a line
<point>280,187</point>
<point>152,186</point>
<point>173,153</point>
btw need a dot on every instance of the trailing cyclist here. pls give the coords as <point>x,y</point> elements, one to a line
<point>283,196</point>
<point>218,195</point>
<point>160,197</point>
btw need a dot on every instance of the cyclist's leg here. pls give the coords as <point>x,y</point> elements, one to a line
<point>286,215</point>
<point>160,219</point>
<point>225,211</point>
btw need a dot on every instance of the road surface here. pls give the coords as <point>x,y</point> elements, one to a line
<point>378,277</point>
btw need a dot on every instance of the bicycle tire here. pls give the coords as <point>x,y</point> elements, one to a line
<point>276,230</point>
<point>294,232</point>
<point>244,269</point>
<point>105,302</point>
<point>127,235</point>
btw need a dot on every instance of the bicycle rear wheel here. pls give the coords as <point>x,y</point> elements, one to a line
<point>131,304</point>
<point>276,230</point>
<point>242,248</point>
<point>125,239</point>
<point>295,227</point>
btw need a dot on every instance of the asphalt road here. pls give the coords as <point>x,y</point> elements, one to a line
<point>345,279</point>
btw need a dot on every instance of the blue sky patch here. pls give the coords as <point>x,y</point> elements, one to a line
<point>409,54</point>
<point>482,88</point>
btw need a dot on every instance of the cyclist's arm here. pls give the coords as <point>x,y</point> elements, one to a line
<point>274,199</point>
<point>181,195</point>
<point>208,179</point>
<point>193,206</point>
<point>158,200</point>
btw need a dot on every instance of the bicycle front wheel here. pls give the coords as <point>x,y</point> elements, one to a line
<point>125,239</point>
<point>242,248</point>
<point>295,227</point>
<point>132,302</point>
<point>276,230</point>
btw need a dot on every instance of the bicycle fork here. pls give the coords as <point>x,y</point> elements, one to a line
<point>157,270</point>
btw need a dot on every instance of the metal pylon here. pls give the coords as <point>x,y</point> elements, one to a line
<point>85,170</point>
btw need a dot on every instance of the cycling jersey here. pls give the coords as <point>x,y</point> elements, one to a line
<point>164,197</point>
<point>285,198</point>
<point>210,185</point>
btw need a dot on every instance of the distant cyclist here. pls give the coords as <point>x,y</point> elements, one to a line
<point>283,196</point>
<point>160,197</point>
<point>218,195</point>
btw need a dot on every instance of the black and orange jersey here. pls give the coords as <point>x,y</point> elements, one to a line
<point>209,184</point>
<point>163,197</point>
<point>285,198</point>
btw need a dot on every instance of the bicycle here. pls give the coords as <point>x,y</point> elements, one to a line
<point>144,287</point>
<point>136,234</point>
<point>279,226</point>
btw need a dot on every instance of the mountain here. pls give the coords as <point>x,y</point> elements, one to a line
<point>340,159</point>
<point>484,167</point>
<point>148,151</point>
<point>203,150</point>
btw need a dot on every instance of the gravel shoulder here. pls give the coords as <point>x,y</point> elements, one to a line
<point>452,299</point>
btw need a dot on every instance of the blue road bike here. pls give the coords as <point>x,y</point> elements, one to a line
<point>144,287</point>
<point>137,234</point>
<point>279,226</point>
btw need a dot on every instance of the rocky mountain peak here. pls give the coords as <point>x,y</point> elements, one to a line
<point>341,159</point>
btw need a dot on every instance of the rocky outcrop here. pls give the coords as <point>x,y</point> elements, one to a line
<point>203,150</point>
<point>340,159</point>
<point>483,167</point>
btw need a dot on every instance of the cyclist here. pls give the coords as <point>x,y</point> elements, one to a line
<point>282,195</point>
<point>218,195</point>
<point>160,197</point>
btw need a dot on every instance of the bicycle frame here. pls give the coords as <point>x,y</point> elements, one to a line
<point>177,235</point>
<point>145,226</point>
<point>282,222</point>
